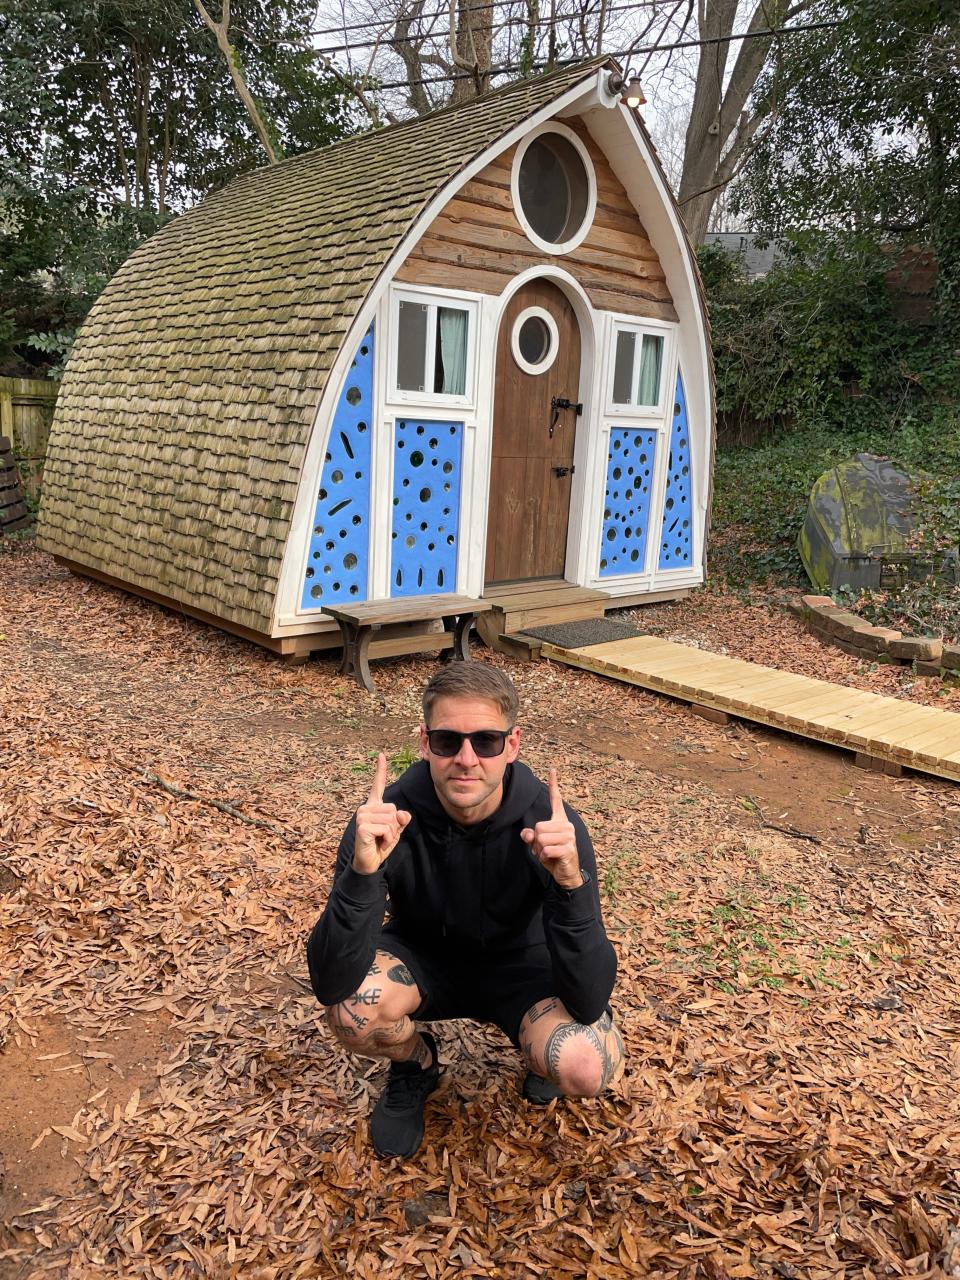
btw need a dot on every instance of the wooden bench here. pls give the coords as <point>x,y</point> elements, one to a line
<point>402,623</point>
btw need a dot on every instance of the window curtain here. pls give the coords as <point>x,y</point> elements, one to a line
<point>648,387</point>
<point>453,350</point>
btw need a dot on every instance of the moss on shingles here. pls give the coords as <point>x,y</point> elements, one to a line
<point>198,373</point>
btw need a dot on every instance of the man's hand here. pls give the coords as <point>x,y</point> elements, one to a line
<point>379,825</point>
<point>554,843</point>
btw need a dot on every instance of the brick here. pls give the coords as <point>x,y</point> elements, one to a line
<point>917,648</point>
<point>814,603</point>
<point>928,668</point>
<point>840,622</point>
<point>950,657</point>
<point>874,639</point>
<point>854,650</point>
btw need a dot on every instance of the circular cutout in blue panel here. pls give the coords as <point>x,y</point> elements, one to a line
<point>626,512</point>
<point>676,543</point>
<point>425,565</point>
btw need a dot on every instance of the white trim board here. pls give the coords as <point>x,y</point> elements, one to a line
<point>619,136</point>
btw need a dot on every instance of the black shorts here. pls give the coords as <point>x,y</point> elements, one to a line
<point>497,987</point>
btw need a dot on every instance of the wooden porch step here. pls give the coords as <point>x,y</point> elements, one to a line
<point>517,606</point>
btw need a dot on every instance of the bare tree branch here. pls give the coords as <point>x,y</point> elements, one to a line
<point>220,30</point>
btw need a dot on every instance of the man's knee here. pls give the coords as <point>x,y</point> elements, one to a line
<point>580,1072</point>
<point>378,1008</point>
<point>582,1060</point>
<point>362,1015</point>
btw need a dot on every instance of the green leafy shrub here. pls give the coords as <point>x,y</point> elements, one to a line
<point>817,342</point>
<point>812,359</point>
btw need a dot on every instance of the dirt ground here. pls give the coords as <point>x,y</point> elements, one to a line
<point>171,1104</point>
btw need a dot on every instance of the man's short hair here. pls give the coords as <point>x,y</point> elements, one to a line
<point>472,680</point>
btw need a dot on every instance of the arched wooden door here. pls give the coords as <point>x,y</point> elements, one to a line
<point>532,470</point>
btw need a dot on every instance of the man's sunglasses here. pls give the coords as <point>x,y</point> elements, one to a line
<point>485,742</point>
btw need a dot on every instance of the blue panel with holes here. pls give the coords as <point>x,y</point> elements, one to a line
<point>626,505</point>
<point>676,538</point>
<point>338,556</point>
<point>427,460</point>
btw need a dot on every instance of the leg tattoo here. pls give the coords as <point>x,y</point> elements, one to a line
<point>541,1010</point>
<point>542,1052</point>
<point>370,996</point>
<point>558,1038</point>
<point>400,973</point>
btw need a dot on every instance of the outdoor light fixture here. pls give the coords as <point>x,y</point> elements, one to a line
<point>629,87</point>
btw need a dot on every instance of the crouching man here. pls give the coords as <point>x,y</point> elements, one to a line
<point>490,884</point>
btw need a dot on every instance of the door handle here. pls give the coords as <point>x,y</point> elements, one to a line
<point>558,403</point>
<point>564,471</point>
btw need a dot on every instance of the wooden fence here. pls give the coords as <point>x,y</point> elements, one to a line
<point>14,512</point>
<point>26,411</point>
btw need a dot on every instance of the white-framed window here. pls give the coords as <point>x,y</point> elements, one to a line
<point>641,356</point>
<point>432,348</point>
<point>554,188</point>
<point>535,340</point>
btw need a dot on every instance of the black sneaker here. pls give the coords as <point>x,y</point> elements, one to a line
<point>396,1126</point>
<point>540,1091</point>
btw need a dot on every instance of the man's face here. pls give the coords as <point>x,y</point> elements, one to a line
<point>469,787</point>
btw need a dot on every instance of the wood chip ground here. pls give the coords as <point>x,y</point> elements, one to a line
<point>787,933</point>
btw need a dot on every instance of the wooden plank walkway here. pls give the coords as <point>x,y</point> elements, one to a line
<point>885,729</point>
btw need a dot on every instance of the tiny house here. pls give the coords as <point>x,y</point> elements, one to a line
<point>467,350</point>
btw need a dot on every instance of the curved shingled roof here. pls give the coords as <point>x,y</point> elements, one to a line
<point>190,395</point>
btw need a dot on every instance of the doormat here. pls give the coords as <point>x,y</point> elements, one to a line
<point>582,634</point>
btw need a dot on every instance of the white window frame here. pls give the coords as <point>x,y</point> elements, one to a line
<point>549,246</point>
<point>640,327</point>
<point>433,300</point>
<point>536,313</point>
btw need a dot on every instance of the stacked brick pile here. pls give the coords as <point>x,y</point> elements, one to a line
<point>835,625</point>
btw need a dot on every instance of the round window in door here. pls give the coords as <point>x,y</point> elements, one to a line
<point>534,340</point>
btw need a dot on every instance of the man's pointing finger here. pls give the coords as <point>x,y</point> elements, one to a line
<point>556,800</point>
<point>379,780</point>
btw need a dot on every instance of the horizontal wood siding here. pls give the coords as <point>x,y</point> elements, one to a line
<point>477,243</point>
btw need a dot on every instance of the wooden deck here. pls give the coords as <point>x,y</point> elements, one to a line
<point>884,729</point>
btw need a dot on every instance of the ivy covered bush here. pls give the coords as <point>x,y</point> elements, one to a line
<point>814,365</point>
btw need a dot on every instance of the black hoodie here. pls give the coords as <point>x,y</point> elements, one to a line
<point>469,889</point>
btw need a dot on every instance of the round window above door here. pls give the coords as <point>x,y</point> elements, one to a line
<point>554,188</point>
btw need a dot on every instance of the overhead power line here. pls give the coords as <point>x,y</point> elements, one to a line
<point>412,39</point>
<point>474,8</point>
<point>622,53</point>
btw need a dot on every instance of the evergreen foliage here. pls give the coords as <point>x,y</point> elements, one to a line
<point>863,137</point>
<point>861,158</point>
<point>116,114</point>
<point>813,358</point>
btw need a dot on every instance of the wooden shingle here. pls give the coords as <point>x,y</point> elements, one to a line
<point>188,401</point>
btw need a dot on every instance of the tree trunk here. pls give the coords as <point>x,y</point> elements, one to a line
<point>142,126</point>
<point>721,125</point>
<point>232,59</point>
<point>471,48</point>
<point>410,53</point>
